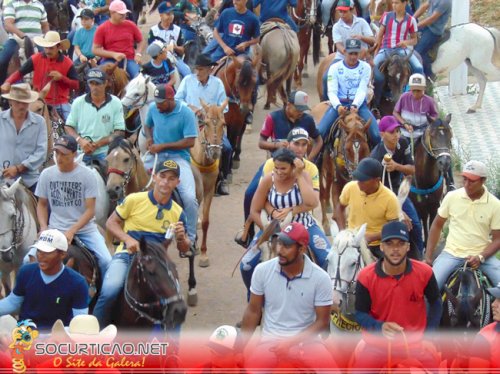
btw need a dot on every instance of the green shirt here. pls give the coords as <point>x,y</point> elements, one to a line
<point>96,123</point>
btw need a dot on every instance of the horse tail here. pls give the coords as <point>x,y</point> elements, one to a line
<point>316,39</point>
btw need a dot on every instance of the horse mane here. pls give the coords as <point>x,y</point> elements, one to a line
<point>120,142</point>
<point>29,49</point>
<point>246,74</point>
<point>23,196</point>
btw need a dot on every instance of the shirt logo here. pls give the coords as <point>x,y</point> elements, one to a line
<point>106,118</point>
<point>236,29</point>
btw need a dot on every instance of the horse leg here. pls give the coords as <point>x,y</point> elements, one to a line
<point>192,298</point>
<point>209,188</point>
<point>324,198</point>
<point>481,80</point>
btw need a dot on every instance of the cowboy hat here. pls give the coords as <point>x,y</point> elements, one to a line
<point>84,328</point>
<point>21,92</point>
<point>51,39</point>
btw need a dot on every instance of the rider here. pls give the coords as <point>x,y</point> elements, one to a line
<point>398,31</point>
<point>95,118</point>
<point>347,88</point>
<point>399,164</point>
<point>159,68</point>
<point>22,18</point>
<point>24,137</point>
<point>474,215</point>
<point>51,65</point>
<point>391,298</point>
<point>171,130</point>
<point>296,296</point>
<point>67,194</point>
<point>203,85</point>
<point>145,215</point>
<point>47,291</point>
<point>369,202</point>
<point>169,33</point>
<point>84,37</point>
<point>186,12</point>
<point>114,40</point>
<point>276,9</point>
<point>432,28</point>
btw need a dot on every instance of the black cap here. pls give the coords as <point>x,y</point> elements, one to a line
<point>352,45</point>
<point>86,13</point>
<point>297,133</point>
<point>368,168</point>
<point>204,60</point>
<point>395,230</point>
<point>494,291</point>
<point>167,165</point>
<point>66,144</point>
<point>96,75</point>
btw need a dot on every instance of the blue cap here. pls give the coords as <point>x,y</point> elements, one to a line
<point>395,230</point>
<point>368,168</point>
<point>165,7</point>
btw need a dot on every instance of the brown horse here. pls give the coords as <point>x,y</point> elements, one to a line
<point>117,78</point>
<point>239,77</point>
<point>205,156</point>
<point>322,70</point>
<point>397,71</point>
<point>340,158</point>
<point>280,55</point>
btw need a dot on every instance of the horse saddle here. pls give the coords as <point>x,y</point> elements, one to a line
<point>271,24</point>
<point>433,51</point>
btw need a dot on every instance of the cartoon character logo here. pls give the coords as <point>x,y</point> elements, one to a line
<point>23,336</point>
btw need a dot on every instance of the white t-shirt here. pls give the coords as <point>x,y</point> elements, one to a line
<point>341,31</point>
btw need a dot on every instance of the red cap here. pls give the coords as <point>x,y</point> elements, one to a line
<point>164,92</point>
<point>294,233</point>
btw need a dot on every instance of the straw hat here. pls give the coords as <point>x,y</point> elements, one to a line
<point>21,92</point>
<point>51,39</point>
<point>85,328</point>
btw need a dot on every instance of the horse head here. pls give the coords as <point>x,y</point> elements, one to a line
<point>117,77</point>
<point>138,92</point>
<point>243,82</point>
<point>398,73</point>
<point>122,165</point>
<point>10,232</point>
<point>212,129</point>
<point>437,141</point>
<point>159,274</point>
<point>354,143</point>
<point>306,12</point>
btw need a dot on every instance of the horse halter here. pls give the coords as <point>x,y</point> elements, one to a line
<point>136,103</point>
<point>350,290</point>
<point>208,147</point>
<point>144,310</point>
<point>434,152</point>
<point>126,175</point>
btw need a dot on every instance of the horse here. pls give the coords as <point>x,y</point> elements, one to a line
<point>58,16</point>
<point>432,160</point>
<point>466,304</point>
<point>25,49</point>
<point>479,47</point>
<point>280,55</point>
<point>18,228</point>
<point>205,156</point>
<point>193,48</point>
<point>305,17</point>
<point>117,78</point>
<point>348,256</point>
<point>152,293</point>
<point>81,71</point>
<point>340,157</point>
<point>239,75</point>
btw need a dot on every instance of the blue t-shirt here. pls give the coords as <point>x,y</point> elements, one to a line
<point>281,125</point>
<point>444,8</point>
<point>46,303</point>
<point>159,75</point>
<point>83,39</point>
<point>237,28</point>
<point>172,127</point>
<point>274,8</point>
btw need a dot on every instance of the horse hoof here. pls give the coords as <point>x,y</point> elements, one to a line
<point>204,261</point>
<point>470,111</point>
<point>229,178</point>
<point>267,106</point>
<point>236,164</point>
<point>192,298</point>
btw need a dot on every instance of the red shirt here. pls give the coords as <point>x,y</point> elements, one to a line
<point>491,333</point>
<point>118,38</point>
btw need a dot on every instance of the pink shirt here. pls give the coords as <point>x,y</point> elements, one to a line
<point>118,38</point>
<point>396,32</point>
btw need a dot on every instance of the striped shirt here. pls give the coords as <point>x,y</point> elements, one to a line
<point>395,31</point>
<point>289,199</point>
<point>27,16</point>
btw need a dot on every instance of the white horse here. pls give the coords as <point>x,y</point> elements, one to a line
<point>478,47</point>
<point>18,228</point>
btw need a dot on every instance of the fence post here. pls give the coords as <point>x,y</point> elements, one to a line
<point>458,77</point>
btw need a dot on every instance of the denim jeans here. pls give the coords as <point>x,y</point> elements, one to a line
<point>331,116</point>
<point>183,69</point>
<point>63,110</point>
<point>318,243</point>
<point>445,264</point>
<point>427,40</point>
<point>416,67</point>
<point>250,191</point>
<point>188,32</point>
<point>211,47</point>
<point>416,231</point>
<point>9,48</point>
<point>227,154</point>
<point>112,285</point>
<point>132,67</point>
<point>87,159</point>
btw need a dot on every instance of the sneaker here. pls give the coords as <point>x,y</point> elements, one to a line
<point>222,188</point>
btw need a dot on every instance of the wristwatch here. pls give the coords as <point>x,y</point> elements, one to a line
<point>481,258</point>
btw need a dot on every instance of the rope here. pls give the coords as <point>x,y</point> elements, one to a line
<point>152,171</point>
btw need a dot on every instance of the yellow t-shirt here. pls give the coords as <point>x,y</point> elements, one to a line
<point>471,222</point>
<point>375,210</point>
<point>310,168</point>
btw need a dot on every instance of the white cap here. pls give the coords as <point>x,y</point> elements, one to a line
<point>223,338</point>
<point>417,80</point>
<point>50,240</point>
<point>475,170</point>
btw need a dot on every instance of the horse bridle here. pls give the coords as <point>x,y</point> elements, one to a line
<point>351,290</point>
<point>308,13</point>
<point>204,142</point>
<point>431,151</point>
<point>16,229</point>
<point>350,166</point>
<point>126,175</point>
<point>136,104</point>
<point>144,310</point>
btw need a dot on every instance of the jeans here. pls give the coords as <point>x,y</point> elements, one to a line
<point>132,67</point>
<point>227,154</point>
<point>187,32</point>
<point>331,116</point>
<point>9,48</point>
<point>427,40</point>
<point>211,47</point>
<point>250,191</point>
<point>416,231</point>
<point>318,243</point>
<point>113,283</point>
<point>416,67</point>
<point>87,159</point>
<point>183,69</point>
<point>445,264</point>
<point>63,110</point>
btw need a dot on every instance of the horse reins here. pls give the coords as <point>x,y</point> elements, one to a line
<point>17,229</point>
<point>126,175</point>
<point>350,283</point>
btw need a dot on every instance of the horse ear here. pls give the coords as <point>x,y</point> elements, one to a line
<point>11,191</point>
<point>360,235</point>
<point>45,90</point>
<point>74,9</point>
<point>204,105</point>
<point>224,104</point>
<point>143,247</point>
<point>342,123</point>
<point>449,295</point>
<point>448,118</point>
<point>367,125</point>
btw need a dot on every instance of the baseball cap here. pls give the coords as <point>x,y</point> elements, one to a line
<point>395,230</point>
<point>223,339</point>
<point>417,81</point>
<point>294,233</point>
<point>297,133</point>
<point>96,75</point>
<point>368,168</point>
<point>494,291</point>
<point>118,6</point>
<point>155,48</point>
<point>50,240</point>
<point>345,5</point>
<point>165,7</point>
<point>388,124</point>
<point>164,92</point>
<point>352,45</point>
<point>167,165</point>
<point>299,99</point>
<point>475,170</point>
<point>66,144</point>
<point>87,13</point>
